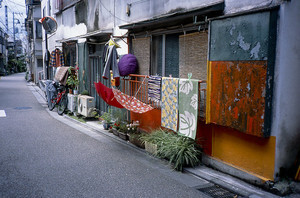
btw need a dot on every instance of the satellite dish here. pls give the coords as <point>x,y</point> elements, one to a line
<point>49,24</point>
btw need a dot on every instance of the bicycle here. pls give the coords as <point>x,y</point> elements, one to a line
<point>60,99</point>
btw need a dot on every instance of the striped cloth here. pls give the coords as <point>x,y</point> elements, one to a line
<point>154,89</point>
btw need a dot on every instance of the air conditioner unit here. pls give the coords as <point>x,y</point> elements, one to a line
<point>72,103</point>
<point>86,104</point>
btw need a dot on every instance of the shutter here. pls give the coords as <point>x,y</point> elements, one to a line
<point>141,50</point>
<point>193,55</point>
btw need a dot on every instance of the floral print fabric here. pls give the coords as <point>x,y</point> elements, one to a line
<point>131,103</point>
<point>169,103</point>
<point>188,107</point>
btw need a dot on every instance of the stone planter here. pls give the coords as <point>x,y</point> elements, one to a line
<point>115,131</point>
<point>134,139</point>
<point>123,135</point>
<point>151,148</point>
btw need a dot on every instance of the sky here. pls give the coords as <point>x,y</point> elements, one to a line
<point>18,7</point>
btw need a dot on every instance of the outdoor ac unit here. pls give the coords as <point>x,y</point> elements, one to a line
<point>86,104</point>
<point>72,102</point>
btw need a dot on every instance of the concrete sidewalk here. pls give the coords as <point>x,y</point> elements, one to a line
<point>208,179</point>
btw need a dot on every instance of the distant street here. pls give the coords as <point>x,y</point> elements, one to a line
<point>43,157</point>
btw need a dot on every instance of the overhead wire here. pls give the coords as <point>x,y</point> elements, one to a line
<point>112,14</point>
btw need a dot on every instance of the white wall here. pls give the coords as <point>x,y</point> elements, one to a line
<point>143,10</point>
<point>286,113</point>
<point>233,6</point>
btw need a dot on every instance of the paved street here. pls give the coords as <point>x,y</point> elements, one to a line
<point>43,157</point>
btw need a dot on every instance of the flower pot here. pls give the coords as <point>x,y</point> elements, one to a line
<point>151,148</point>
<point>115,131</point>
<point>75,91</point>
<point>70,91</point>
<point>106,126</point>
<point>123,135</point>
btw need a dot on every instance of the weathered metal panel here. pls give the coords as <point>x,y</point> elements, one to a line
<point>242,50</point>
<point>237,94</point>
<point>240,38</point>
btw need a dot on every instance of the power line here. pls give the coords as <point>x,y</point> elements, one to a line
<point>7,2</point>
<point>16,3</point>
<point>112,13</point>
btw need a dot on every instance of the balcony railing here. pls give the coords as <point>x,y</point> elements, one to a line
<point>137,86</point>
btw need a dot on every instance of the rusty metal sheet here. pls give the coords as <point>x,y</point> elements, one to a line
<point>237,96</point>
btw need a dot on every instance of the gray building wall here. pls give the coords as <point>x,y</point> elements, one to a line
<point>286,114</point>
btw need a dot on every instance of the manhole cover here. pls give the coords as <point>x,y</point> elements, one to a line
<point>22,108</point>
<point>218,192</point>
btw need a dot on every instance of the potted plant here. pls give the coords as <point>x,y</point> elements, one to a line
<point>72,80</point>
<point>179,150</point>
<point>123,131</point>
<point>115,128</point>
<point>117,115</point>
<point>106,120</point>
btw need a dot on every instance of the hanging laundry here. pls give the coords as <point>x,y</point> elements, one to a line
<point>111,63</point>
<point>188,107</point>
<point>169,103</point>
<point>131,103</point>
<point>107,95</point>
<point>56,58</point>
<point>154,89</point>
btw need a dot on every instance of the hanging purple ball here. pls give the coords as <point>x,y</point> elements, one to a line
<point>128,65</point>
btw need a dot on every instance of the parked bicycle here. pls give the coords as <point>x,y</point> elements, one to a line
<point>58,97</point>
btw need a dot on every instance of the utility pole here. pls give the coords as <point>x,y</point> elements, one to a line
<point>6,19</point>
<point>14,32</point>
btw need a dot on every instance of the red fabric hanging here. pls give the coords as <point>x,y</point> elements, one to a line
<point>131,103</point>
<point>107,95</point>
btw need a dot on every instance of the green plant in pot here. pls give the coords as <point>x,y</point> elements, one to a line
<point>106,120</point>
<point>72,80</point>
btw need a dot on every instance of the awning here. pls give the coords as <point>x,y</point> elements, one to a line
<point>176,18</point>
<point>97,33</point>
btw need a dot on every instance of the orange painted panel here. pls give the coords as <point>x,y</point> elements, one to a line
<point>237,95</point>
<point>149,120</point>
<point>249,153</point>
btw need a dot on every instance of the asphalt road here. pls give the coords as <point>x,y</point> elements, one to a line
<point>43,157</point>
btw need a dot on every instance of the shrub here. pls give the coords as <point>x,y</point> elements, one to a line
<point>178,150</point>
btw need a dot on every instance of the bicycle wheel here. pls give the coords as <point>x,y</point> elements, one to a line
<point>62,105</point>
<point>52,102</point>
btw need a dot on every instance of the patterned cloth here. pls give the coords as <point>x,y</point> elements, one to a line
<point>154,89</point>
<point>107,95</point>
<point>56,58</point>
<point>169,106</point>
<point>61,75</point>
<point>131,103</point>
<point>188,107</point>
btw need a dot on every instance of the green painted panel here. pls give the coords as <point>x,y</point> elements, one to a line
<point>82,64</point>
<point>242,37</point>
